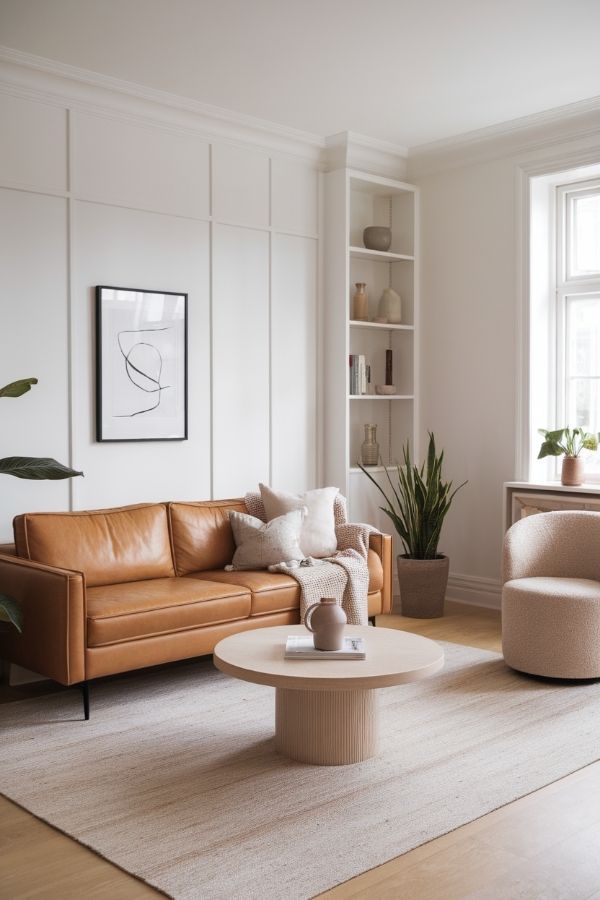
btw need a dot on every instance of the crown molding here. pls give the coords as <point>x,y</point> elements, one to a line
<point>528,134</point>
<point>348,149</point>
<point>57,83</point>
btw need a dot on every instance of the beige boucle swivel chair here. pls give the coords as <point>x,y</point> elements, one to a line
<point>551,595</point>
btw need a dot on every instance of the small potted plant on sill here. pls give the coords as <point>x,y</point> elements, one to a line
<point>417,507</point>
<point>568,442</point>
<point>33,468</point>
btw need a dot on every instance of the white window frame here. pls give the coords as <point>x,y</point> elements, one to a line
<point>568,285</point>
<point>544,292</point>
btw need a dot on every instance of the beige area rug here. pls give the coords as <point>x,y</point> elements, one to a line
<point>175,777</point>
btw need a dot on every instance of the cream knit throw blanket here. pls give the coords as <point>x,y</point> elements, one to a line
<point>345,575</point>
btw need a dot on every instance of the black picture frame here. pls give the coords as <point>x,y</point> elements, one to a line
<point>141,384</point>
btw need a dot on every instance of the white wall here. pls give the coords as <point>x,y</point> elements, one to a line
<point>90,197</point>
<point>474,249</point>
<point>468,325</point>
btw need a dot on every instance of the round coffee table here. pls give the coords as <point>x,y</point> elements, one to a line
<point>325,710</point>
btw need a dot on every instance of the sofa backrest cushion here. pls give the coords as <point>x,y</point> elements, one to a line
<point>202,535</point>
<point>109,546</point>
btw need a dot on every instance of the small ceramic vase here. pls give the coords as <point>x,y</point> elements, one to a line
<point>377,237</point>
<point>360,303</point>
<point>390,307</point>
<point>328,626</point>
<point>369,451</point>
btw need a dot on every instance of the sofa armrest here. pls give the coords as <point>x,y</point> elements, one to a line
<point>53,602</point>
<point>382,545</point>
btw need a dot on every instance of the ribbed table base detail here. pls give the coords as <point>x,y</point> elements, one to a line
<point>326,728</point>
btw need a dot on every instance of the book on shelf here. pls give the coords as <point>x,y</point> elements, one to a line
<point>359,375</point>
<point>299,646</point>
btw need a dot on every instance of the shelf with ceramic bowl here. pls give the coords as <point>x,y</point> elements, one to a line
<point>385,326</point>
<point>379,255</point>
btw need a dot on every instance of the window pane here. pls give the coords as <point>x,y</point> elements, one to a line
<point>583,403</point>
<point>583,336</point>
<point>585,234</point>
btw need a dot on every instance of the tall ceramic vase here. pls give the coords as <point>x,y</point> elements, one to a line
<point>360,303</point>
<point>369,450</point>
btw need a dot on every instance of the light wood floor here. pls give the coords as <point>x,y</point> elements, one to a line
<point>544,846</point>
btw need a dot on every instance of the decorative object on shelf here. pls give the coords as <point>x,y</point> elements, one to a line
<point>570,442</point>
<point>377,237</point>
<point>418,506</point>
<point>369,449</point>
<point>141,365</point>
<point>390,307</point>
<point>360,303</point>
<point>329,621</point>
<point>358,375</point>
<point>389,387</point>
<point>33,468</point>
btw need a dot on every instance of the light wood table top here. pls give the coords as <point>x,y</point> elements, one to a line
<point>393,657</point>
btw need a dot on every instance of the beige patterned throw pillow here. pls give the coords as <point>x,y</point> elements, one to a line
<point>318,536</point>
<point>260,545</point>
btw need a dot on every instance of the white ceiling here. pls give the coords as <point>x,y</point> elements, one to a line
<point>407,72</point>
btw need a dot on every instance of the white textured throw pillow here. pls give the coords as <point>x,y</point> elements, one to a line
<point>260,545</point>
<point>318,529</point>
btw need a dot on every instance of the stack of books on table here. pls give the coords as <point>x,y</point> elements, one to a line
<point>360,374</point>
<point>303,647</point>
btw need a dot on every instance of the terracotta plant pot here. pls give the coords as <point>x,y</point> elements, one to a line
<point>422,586</point>
<point>572,470</point>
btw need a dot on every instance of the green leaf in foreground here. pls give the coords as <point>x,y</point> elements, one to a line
<point>35,468</point>
<point>10,611</point>
<point>17,388</point>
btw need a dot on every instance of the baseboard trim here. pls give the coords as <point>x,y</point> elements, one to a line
<point>475,591</point>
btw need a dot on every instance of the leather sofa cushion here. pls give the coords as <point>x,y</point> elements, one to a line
<point>124,612</point>
<point>109,546</point>
<point>202,535</point>
<point>271,592</point>
<point>274,592</point>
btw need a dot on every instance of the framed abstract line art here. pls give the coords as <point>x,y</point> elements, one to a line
<point>141,365</point>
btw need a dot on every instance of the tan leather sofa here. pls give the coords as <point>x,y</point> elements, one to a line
<point>110,590</point>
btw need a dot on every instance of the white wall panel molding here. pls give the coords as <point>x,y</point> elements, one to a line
<point>33,307</point>
<point>475,591</point>
<point>241,360</point>
<point>294,198</point>
<point>33,149</point>
<point>293,362</point>
<point>240,185</point>
<point>140,167</point>
<point>53,82</point>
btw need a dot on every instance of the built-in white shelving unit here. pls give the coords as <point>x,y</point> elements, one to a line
<point>354,200</point>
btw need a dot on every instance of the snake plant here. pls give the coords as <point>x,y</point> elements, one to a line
<point>418,504</point>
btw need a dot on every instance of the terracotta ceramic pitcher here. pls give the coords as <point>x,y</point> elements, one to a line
<point>326,620</point>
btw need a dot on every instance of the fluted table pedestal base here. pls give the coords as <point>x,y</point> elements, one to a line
<point>326,728</point>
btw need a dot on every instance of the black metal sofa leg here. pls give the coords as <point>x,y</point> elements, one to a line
<point>85,692</point>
